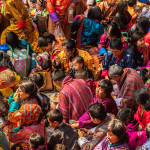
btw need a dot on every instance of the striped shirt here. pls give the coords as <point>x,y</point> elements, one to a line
<point>74,98</point>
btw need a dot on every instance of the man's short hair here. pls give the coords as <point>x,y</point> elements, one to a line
<point>8,76</point>
<point>81,74</point>
<point>58,75</point>
<point>115,70</point>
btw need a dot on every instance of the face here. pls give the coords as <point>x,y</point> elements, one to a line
<point>47,48</point>
<point>95,120</point>
<point>100,92</point>
<point>4,85</point>
<point>77,66</point>
<point>115,78</point>
<point>53,124</point>
<point>112,138</point>
<point>140,42</point>
<point>116,52</point>
<point>22,94</point>
<point>68,53</point>
<point>111,2</point>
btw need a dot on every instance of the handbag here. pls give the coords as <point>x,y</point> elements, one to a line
<point>22,66</point>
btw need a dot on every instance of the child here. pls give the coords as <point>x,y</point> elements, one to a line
<point>143,112</point>
<point>78,63</point>
<point>82,74</point>
<point>37,142</point>
<point>146,146</point>
<point>37,78</point>
<point>99,117</point>
<point>136,138</point>
<point>63,133</point>
<point>116,138</point>
<point>103,95</point>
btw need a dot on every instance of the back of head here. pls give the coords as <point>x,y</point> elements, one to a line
<point>131,3</point>
<point>94,13</point>
<point>70,44</point>
<point>46,65</point>
<point>7,76</point>
<point>148,131</point>
<point>135,37</point>
<point>37,141</point>
<point>37,78</point>
<point>143,98</point>
<point>115,70</point>
<point>12,40</point>
<point>125,114</point>
<point>46,39</point>
<point>55,115</point>
<point>81,74</point>
<point>106,85</point>
<point>113,30</point>
<point>118,129</point>
<point>116,44</point>
<point>121,6</point>
<point>58,75</point>
<point>97,111</point>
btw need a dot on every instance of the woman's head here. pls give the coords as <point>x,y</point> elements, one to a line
<point>126,115</point>
<point>104,89</point>
<point>94,13</point>
<point>69,47</point>
<point>122,6</point>
<point>116,132</point>
<point>12,40</point>
<point>142,98</point>
<point>37,141</point>
<point>137,39</point>
<point>47,41</point>
<point>113,31</point>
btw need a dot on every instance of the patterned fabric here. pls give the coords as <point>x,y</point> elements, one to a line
<point>91,85</point>
<point>146,146</point>
<point>99,134</point>
<point>74,98</point>
<point>147,38</point>
<point>66,64</point>
<point>110,106</point>
<point>105,145</point>
<point>128,84</point>
<point>143,118</point>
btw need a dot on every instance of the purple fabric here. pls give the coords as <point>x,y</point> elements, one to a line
<point>110,106</point>
<point>74,1</point>
<point>54,17</point>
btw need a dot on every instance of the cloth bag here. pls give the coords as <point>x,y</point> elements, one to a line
<point>22,66</point>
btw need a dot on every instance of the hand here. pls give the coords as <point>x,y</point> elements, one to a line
<point>80,133</point>
<point>16,97</point>
<point>74,125</point>
<point>86,131</point>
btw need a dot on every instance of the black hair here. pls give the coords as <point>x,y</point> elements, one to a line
<point>97,111</point>
<point>46,64</point>
<point>118,129</point>
<point>78,59</point>
<point>113,30</point>
<point>121,6</point>
<point>106,85</point>
<point>124,114</point>
<point>55,115</point>
<point>29,87</point>
<point>58,75</point>
<point>143,98</point>
<point>116,44</point>
<point>138,8</point>
<point>37,141</point>
<point>46,39</point>
<point>37,78</point>
<point>70,44</point>
<point>95,13</point>
<point>148,131</point>
<point>12,40</point>
<point>143,24</point>
<point>81,74</point>
<point>131,3</point>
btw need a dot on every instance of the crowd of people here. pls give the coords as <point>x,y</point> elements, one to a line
<point>95,54</point>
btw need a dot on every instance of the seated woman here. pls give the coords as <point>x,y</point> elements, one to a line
<point>103,95</point>
<point>117,55</point>
<point>29,117</point>
<point>64,59</point>
<point>116,138</point>
<point>136,138</point>
<point>143,112</point>
<point>89,30</point>
<point>112,32</point>
<point>141,50</point>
